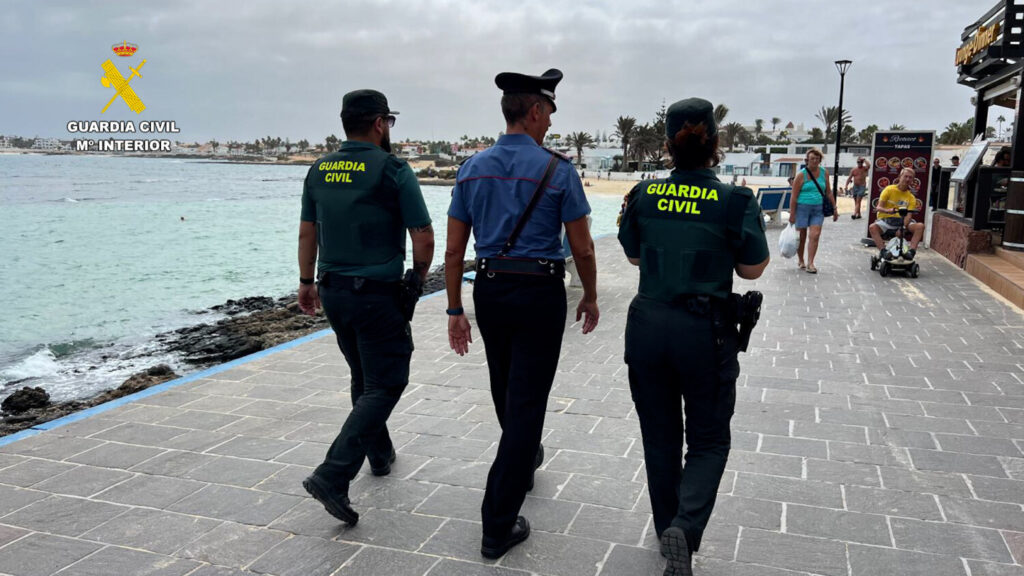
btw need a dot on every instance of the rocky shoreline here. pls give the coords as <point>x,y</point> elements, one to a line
<point>249,326</point>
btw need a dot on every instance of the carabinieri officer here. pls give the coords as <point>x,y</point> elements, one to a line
<point>519,293</point>
<point>687,233</point>
<point>357,204</point>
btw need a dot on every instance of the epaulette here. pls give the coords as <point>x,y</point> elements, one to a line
<point>739,198</point>
<point>743,191</point>
<point>561,155</point>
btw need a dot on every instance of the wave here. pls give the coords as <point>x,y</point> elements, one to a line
<point>64,349</point>
<point>42,364</point>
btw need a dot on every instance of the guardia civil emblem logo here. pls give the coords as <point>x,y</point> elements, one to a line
<point>112,78</point>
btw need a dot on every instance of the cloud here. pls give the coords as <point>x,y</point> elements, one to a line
<point>244,70</point>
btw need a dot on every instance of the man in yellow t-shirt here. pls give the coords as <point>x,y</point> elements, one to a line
<point>894,197</point>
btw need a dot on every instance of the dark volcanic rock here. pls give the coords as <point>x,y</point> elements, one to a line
<point>14,421</point>
<point>245,305</point>
<point>252,324</point>
<point>25,399</point>
<point>141,380</point>
<point>241,335</point>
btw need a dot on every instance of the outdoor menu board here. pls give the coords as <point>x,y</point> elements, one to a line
<point>891,153</point>
<point>970,160</point>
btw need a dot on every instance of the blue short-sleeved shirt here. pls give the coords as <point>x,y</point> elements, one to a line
<point>494,186</point>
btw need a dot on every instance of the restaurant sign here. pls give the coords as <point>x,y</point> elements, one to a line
<point>982,39</point>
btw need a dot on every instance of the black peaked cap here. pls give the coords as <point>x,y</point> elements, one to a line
<point>515,83</point>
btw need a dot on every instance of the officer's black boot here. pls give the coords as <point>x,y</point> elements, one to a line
<point>336,503</point>
<point>677,551</point>
<point>495,548</point>
<point>385,468</point>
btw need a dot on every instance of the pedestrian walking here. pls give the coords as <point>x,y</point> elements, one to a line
<point>688,233</point>
<point>357,204</point>
<point>514,197</point>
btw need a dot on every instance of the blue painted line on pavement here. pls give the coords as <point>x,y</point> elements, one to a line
<point>18,436</point>
<point>173,383</point>
<point>81,415</point>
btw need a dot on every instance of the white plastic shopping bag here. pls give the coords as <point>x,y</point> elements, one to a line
<point>788,241</point>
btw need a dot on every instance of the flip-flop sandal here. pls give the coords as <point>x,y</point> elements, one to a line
<point>801,266</point>
<point>812,270</point>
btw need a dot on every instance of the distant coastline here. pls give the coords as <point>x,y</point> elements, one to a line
<point>591,185</point>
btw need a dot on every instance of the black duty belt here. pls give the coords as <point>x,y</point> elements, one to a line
<point>491,267</point>
<point>699,304</point>
<point>357,283</point>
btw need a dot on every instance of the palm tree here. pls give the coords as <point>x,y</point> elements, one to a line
<point>721,111</point>
<point>733,132</point>
<point>867,135</point>
<point>897,127</point>
<point>829,116</point>
<point>775,122</point>
<point>816,135</point>
<point>758,127</point>
<point>624,128</point>
<point>1000,120</point>
<point>215,145</point>
<point>957,133</point>
<point>579,141</point>
<point>849,134</point>
<point>331,143</point>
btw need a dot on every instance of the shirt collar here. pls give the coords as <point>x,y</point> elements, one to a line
<point>359,145</point>
<point>516,140</point>
<point>698,172</point>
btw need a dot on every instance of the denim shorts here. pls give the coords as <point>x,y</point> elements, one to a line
<point>859,191</point>
<point>809,215</point>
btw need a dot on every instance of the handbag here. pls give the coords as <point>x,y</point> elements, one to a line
<point>826,206</point>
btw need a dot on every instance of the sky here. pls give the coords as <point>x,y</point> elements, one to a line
<point>236,70</point>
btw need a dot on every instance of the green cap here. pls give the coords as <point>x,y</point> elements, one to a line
<point>692,110</point>
<point>364,103</point>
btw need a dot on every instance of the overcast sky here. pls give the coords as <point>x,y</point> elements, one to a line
<point>242,70</point>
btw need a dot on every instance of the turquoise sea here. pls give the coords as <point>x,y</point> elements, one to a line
<point>100,253</point>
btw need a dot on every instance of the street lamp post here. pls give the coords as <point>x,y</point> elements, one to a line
<point>842,66</point>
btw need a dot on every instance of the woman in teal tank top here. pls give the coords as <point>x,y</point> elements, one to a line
<point>805,208</point>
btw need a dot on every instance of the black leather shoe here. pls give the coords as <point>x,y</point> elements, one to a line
<point>384,469</point>
<point>538,461</point>
<point>675,548</point>
<point>910,254</point>
<point>336,504</point>
<point>495,548</point>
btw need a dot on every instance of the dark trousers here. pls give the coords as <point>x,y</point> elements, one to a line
<point>521,320</point>
<point>672,354</point>
<point>377,343</point>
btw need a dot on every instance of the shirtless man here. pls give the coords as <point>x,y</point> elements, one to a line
<point>859,176</point>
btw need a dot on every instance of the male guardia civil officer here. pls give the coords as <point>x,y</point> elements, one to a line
<point>519,293</point>
<point>357,204</point>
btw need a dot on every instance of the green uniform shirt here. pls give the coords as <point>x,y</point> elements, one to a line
<point>689,232</point>
<point>362,200</point>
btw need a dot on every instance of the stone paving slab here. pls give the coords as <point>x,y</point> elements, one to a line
<point>879,429</point>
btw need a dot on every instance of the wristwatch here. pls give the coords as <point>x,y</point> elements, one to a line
<point>306,281</point>
<point>455,311</point>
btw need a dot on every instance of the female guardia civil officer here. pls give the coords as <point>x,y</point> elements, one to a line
<point>687,233</point>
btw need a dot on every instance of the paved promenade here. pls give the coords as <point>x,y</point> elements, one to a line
<point>879,431</point>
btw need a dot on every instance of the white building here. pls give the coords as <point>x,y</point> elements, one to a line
<point>46,144</point>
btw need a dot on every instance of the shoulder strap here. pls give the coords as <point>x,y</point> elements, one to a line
<point>548,173</point>
<point>815,180</point>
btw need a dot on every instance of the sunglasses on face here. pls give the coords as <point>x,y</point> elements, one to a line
<point>390,120</point>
